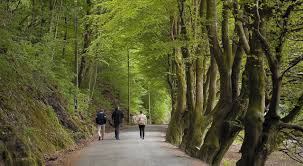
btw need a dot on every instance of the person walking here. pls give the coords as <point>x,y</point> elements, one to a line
<point>142,121</point>
<point>117,118</point>
<point>101,121</point>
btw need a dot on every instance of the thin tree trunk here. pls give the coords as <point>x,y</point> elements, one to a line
<point>171,81</point>
<point>206,88</point>
<point>86,42</point>
<point>65,37</point>
<point>76,57</point>
<point>95,80</point>
<point>236,72</point>
<point>212,85</point>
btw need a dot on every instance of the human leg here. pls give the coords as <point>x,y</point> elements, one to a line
<point>102,131</point>
<point>99,129</point>
<point>118,132</point>
<point>143,131</point>
<point>140,130</point>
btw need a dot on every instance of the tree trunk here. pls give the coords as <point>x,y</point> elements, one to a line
<point>92,90</point>
<point>275,99</point>
<point>199,122</point>
<point>175,127</point>
<point>65,37</point>
<point>86,42</point>
<point>76,57</point>
<point>236,72</point>
<point>254,117</point>
<point>212,142</point>
<point>171,81</point>
<point>187,63</point>
<point>222,132</point>
<point>260,136</point>
<point>212,86</point>
<point>190,99</point>
<point>225,128</point>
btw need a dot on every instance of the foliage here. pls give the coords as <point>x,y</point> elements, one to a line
<point>119,34</point>
<point>58,54</point>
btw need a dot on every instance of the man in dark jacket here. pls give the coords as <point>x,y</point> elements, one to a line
<point>117,118</point>
<point>101,121</point>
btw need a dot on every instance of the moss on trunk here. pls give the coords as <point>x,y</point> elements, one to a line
<point>254,117</point>
<point>222,133</point>
<point>176,125</point>
<point>225,128</point>
<point>175,130</point>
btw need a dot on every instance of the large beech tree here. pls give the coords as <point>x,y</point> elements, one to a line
<point>248,34</point>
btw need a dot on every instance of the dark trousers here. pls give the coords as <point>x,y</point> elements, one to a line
<point>142,132</point>
<point>117,131</point>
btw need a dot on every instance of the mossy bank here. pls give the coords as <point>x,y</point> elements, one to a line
<point>35,119</point>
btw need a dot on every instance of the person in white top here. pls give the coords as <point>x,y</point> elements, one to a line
<point>142,121</point>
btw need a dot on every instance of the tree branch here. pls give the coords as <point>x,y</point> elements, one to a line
<point>211,16</point>
<point>291,126</point>
<point>295,29</point>
<point>284,30</point>
<point>225,34</point>
<point>239,27</point>
<point>17,6</point>
<point>286,151</point>
<point>293,63</point>
<point>295,111</point>
<point>265,46</point>
<point>235,75</point>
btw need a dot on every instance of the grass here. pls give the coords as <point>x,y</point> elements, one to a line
<point>228,162</point>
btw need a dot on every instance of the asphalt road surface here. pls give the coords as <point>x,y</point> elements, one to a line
<point>130,150</point>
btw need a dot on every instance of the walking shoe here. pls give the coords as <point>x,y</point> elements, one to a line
<point>99,138</point>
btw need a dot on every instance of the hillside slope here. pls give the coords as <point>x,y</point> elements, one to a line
<point>35,118</point>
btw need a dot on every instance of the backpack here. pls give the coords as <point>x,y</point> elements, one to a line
<point>141,120</point>
<point>101,119</point>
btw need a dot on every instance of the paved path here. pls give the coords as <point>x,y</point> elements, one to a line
<point>130,150</point>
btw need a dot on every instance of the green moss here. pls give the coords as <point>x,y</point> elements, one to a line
<point>239,138</point>
<point>213,142</point>
<point>29,125</point>
<point>16,149</point>
<point>79,135</point>
<point>25,162</point>
<point>38,131</point>
<point>174,133</point>
<point>229,162</point>
<point>5,155</point>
